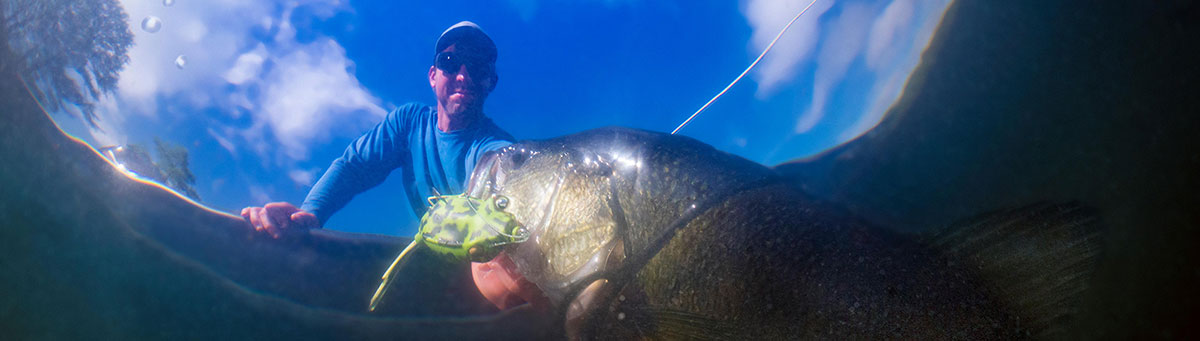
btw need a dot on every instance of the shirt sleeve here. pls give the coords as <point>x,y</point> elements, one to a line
<point>365,164</point>
<point>497,139</point>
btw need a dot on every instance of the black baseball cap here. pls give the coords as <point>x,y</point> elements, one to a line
<point>467,33</point>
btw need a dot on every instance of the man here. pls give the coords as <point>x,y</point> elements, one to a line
<point>433,147</point>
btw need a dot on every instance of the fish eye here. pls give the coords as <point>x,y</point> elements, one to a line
<point>501,202</point>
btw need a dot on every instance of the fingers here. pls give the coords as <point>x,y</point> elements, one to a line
<point>278,217</point>
<point>503,285</point>
<point>489,280</point>
<point>268,225</point>
<point>304,219</point>
<point>251,214</point>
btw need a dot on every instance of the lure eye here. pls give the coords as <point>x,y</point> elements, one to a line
<point>501,203</point>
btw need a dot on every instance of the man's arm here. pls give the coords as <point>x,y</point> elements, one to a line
<point>365,164</point>
<point>345,178</point>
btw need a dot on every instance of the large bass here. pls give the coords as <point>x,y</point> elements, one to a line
<point>632,233</point>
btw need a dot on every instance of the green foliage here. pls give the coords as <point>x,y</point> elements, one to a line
<point>47,42</point>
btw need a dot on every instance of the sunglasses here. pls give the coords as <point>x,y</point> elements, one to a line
<point>452,62</point>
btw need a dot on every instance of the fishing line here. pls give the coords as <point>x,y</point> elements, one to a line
<point>739,77</point>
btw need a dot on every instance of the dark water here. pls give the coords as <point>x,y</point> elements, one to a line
<point>1021,102</point>
<point>1014,103</point>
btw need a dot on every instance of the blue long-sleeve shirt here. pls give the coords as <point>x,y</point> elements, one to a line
<point>407,139</point>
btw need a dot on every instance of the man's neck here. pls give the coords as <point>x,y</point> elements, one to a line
<point>447,123</point>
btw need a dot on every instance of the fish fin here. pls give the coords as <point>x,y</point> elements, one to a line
<point>671,324</point>
<point>388,275</point>
<point>1037,259</point>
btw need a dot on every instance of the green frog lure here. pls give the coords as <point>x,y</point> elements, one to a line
<point>461,228</point>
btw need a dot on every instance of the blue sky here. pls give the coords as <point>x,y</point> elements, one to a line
<point>269,93</point>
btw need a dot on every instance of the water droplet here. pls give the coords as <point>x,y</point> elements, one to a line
<point>168,3</point>
<point>151,24</point>
<point>620,316</point>
<point>180,61</point>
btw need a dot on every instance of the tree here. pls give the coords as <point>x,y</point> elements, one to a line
<point>171,169</point>
<point>48,41</point>
<point>173,163</point>
<point>136,159</point>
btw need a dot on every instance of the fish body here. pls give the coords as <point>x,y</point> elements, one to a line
<point>642,234</point>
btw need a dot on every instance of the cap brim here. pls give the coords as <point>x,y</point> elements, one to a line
<point>467,32</point>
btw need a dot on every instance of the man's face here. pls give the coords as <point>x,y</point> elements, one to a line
<point>466,85</point>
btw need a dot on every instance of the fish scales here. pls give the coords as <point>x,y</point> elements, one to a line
<point>636,234</point>
<point>587,222</point>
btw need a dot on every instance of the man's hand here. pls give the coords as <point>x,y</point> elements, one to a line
<point>278,218</point>
<point>502,284</point>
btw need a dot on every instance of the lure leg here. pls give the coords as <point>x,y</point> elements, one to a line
<point>387,276</point>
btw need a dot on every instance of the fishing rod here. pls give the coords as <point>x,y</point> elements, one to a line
<point>739,77</point>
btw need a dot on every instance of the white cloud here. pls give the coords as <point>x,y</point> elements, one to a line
<point>223,141</point>
<point>267,22</point>
<point>106,132</point>
<point>886,36</point>
<point>193,30</point>
<point>247,66</point>
<point>895,20</point>
<point>302,177</point>
<point>896,60</point>
<point>290,89</point>
<point>241,103</point>
<point>207,34</point>
<point>767,18</point>
<point>308,91</point>
<point>839,48</point>
<point>244,63</point>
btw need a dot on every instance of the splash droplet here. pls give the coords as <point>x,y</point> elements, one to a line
<point>168,3</point>
<point>180,61</point>
<point>151,24</point>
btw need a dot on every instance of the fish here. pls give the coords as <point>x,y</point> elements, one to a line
<point>640,234</point>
